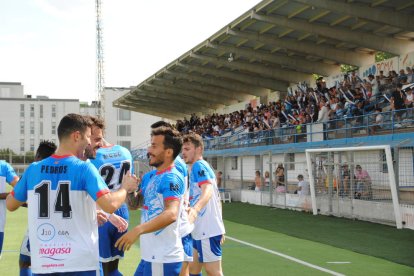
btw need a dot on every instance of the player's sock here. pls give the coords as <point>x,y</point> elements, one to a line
<point>199,274</point>
<point>115,273</point>
<point>25,272</point>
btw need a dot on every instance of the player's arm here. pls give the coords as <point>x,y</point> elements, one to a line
<point>13,204</point>
<point>206,193</point>
<point>110,202</point>
<point>12,183</point>
<point>168,216</point>
<point>135,200</point>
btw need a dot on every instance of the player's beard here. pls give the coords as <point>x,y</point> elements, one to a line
<point>156,163</point>
<point>90,153</point>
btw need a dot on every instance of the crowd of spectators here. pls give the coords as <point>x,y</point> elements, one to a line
<point>350,98</point>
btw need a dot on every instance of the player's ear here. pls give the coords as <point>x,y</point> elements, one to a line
<point>76,135</point>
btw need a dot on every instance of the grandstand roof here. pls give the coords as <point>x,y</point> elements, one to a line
<point>275,43</point>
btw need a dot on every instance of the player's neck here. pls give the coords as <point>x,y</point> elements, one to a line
<point>165,166</point>
<point>63,150</point>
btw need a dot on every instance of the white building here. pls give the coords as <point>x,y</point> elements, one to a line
<point>25,121</point>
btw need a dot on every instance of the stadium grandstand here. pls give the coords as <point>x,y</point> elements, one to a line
<point>289,76</point>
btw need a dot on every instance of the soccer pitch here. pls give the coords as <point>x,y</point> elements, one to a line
<point>265,241</point>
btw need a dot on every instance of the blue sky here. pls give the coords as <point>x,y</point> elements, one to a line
<point>49,45</point>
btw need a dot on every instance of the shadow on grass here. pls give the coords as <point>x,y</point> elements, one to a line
<point>373,239</point>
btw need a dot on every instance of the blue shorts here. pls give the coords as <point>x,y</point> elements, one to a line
<point>209,250</point>
<point>108,235</point>
<point>1,241</point>
<point>76,273</point>
<point>25,249</point>
<point>188,248</point>
<point>148,269</point>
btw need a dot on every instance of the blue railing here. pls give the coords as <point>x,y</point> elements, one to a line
<point>349,127</point>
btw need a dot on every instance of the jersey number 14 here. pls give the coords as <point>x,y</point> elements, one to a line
<point>62,202</point>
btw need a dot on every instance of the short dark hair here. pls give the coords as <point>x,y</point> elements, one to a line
<point>172,139</point>
<point>72,122</point>
<point>45,149</point>
<point>96,121</point>
<point>194,139</point>
<point>300,176</point>
<point>160,124</point>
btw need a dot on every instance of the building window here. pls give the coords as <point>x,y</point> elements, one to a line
<point>22,110</point>
<point>31,127</point>
<point>53,127</point>
<point>214,163</point>
<point>31,110</point>
<point>21,127</point>
<point>31,144</point>
<point>41,111</point>
<point>124,130</point>
<point>124,115</point>
<point>21,145</point>
<point>41,128</point>
<point>126,144</point>
<point>53,111</point>
<point>234,163</point>
<point>291,161</point>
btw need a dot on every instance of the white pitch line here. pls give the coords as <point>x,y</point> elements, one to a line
<point>286,257</point>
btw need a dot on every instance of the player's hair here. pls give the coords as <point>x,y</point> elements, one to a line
<point>172,139</point>
<point>72,122</point>
<point>45,149</point>
<point>194,139</point>
<point>160,124</point>
<point>96,121</point>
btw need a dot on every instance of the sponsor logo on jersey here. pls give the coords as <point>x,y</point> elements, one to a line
<point>50,252</point>
<point>46,232</point>
<point>201,173</point>
<point>174,187</point>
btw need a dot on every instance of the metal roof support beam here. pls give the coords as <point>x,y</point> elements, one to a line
<point>279,74</point>
<point>340,56</point>
<point>368,40</point>
<point>201,95</point>
<point>167,96</point>
<point>172,115</point>
<point>274,85</point>
<point>234,86</point>
<point>176,104</point>
<point>159,107</point>
<point>298,63</point>
<point>203,89</point>
<point>385,16</point>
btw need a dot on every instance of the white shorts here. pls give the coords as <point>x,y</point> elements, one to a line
<point>209,250</point>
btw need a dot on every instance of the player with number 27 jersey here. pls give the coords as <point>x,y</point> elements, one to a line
<point>61,191</point>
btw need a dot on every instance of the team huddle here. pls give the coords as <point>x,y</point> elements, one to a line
<point>86,182</point>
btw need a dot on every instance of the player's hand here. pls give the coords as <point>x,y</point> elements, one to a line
<point>192,215</point>
<point>101,216</point>
<point>130,182</point>
<point>119,222</point>
<point>127,240</point>
<point>223,239</point>
<point>134,200</point>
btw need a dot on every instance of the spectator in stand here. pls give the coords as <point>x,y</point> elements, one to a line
<point>280,179</point>
<point>379,121</point>
<point>258,182</point>
<point>219,176</point>
<point>410,74</point>
<point>397,102</point>
<point>363,184</point>
<point>267,180</point>
<point>303,186</point>
<point>345,180</point>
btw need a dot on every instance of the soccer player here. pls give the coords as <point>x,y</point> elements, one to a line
<point>205,210</point>
<point>60,192</point>
<point>161,248</point>
<point>185,227</point>
<point>45,149</point>
<point>7,175</point>
<point>112,162</point>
